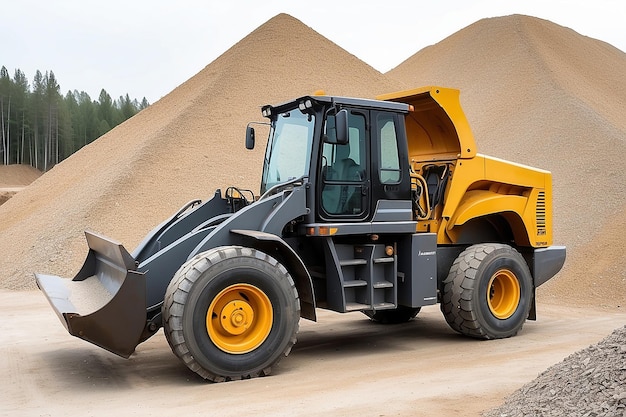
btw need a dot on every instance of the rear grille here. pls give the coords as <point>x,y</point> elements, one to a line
<point>540,213</point>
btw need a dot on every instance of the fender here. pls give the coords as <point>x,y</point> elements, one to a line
<point>276,247</point>
<point>479,203</point>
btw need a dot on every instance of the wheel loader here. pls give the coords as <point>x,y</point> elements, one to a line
<point>378,206</point>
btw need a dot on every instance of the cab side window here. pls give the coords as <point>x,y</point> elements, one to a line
<point>389,161</point>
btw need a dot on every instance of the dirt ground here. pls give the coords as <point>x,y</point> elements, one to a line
<point>341,365</point>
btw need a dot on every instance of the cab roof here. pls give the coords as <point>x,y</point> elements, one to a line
<point>328,101</point>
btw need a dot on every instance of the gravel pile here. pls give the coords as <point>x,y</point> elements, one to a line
<point>589,383</point>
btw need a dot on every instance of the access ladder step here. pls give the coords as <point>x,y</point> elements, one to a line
<point>384,306</point>
<point>355,283</point>
<point>353,262</point>
<point>357,307</point>
<point>384,260</point>
<point>383,284</point>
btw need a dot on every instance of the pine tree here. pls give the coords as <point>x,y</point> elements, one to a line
<point>37,107</point>
<point>5,113</point>
<point>51,120</point>
<point>105,111</point>
<point>21,88</point>
<point>126,106</point>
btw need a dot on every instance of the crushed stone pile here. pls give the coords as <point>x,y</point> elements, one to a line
<point>588,383</point>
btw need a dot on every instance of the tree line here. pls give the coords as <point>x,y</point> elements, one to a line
<point>41,127</point>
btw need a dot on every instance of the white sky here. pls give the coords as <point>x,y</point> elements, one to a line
<point>149,47</point>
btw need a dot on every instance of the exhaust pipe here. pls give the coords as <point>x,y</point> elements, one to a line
<point>105,303</point>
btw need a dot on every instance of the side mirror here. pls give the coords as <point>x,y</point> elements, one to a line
<point>341,124</point>
<point>249,137</point>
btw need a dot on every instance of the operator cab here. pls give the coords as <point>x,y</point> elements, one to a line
<point>353,150</point>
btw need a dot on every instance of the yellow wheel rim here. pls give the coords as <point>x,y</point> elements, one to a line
<point>503,294</point>
<point>239,319</point>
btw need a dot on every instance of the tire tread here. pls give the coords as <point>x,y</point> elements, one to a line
<point>459,288</point>
<point>177,294</point>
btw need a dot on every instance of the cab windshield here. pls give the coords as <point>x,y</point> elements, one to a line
<point>288,151</point>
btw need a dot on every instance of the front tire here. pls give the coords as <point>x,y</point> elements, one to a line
<point>488,292</point>
<point>231,313</point>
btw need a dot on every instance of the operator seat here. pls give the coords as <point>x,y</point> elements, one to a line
<point>347,170</point>
<point>342,199</point>
<point>345,167</point>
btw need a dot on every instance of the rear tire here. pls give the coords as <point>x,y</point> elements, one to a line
<point>488,292</point>
<point>401,314</point>
<point>231,313</point>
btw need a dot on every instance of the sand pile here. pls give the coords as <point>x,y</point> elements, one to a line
<point>544,95</point>
<point>182,147</point>
<point>14,178</point>
<point>17,175</point>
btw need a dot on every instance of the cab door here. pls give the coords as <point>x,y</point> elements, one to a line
<point>344,190</point>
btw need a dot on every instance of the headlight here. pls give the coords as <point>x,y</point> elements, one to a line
<point>305,105</point>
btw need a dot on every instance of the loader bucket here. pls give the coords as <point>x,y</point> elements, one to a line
<point>105,303</point>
